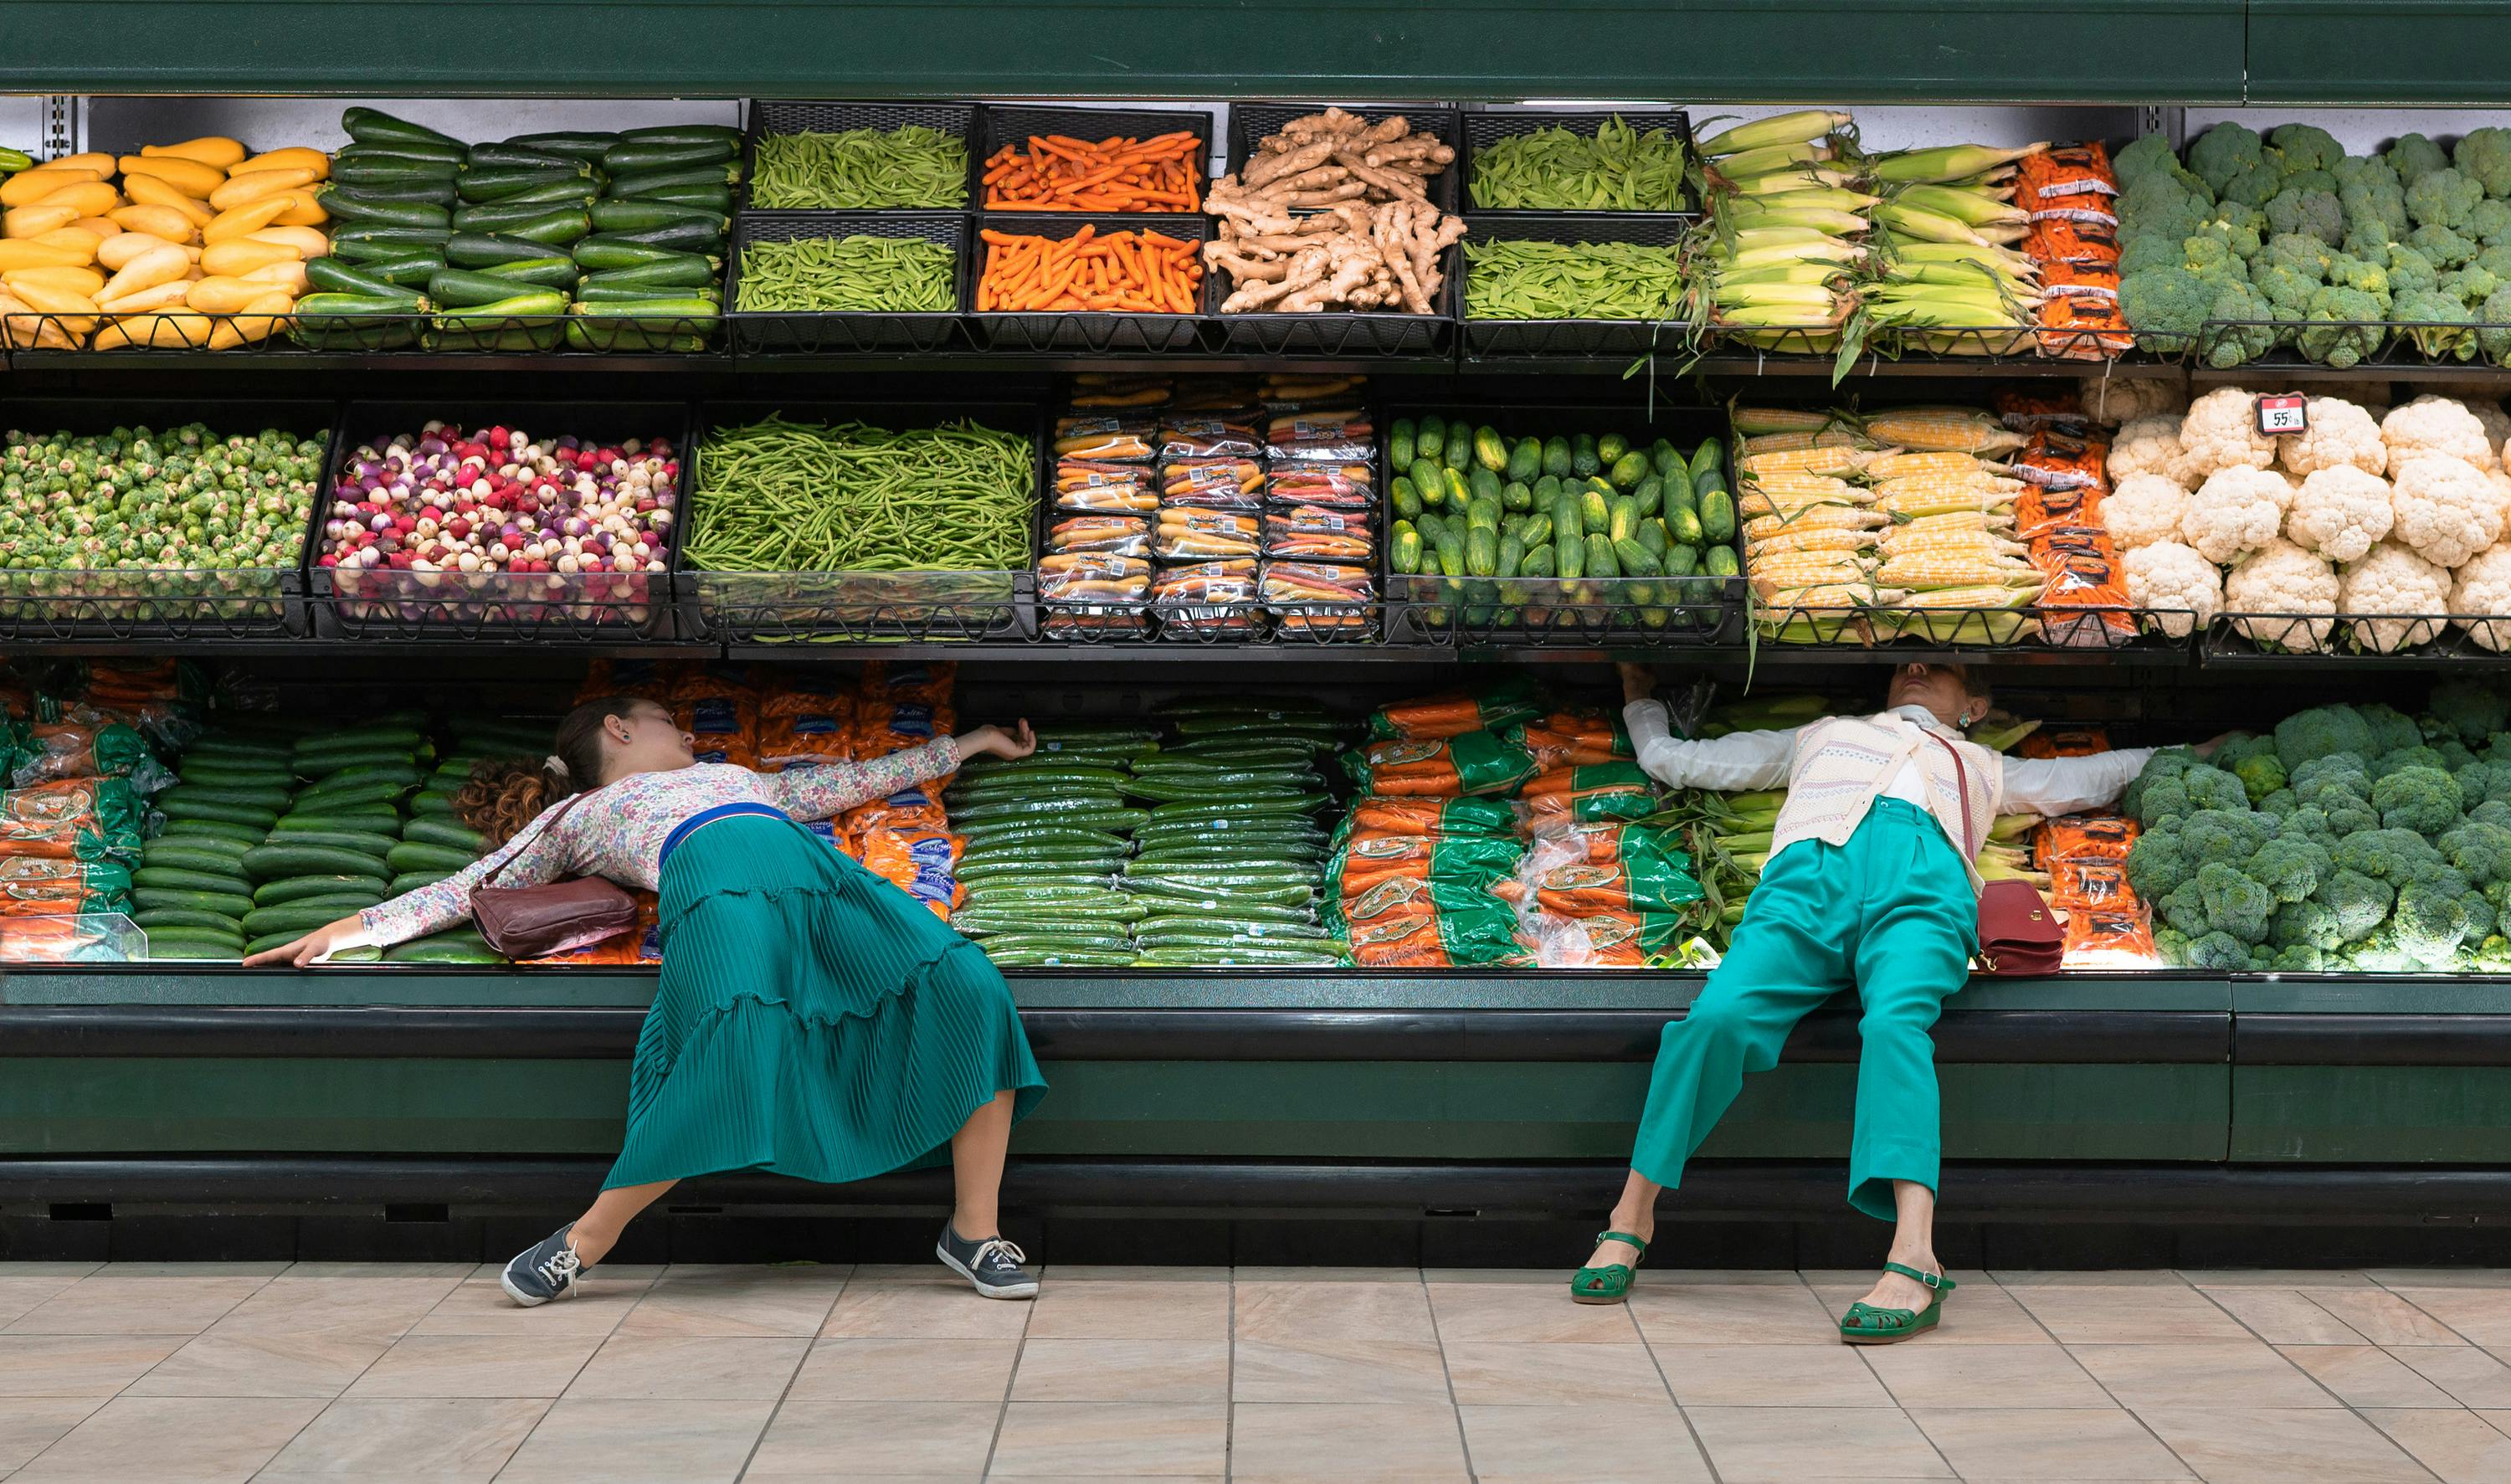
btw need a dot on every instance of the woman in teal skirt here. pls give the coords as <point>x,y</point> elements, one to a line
<point>812,1019</point>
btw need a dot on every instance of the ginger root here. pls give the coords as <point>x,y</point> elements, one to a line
<point>1334,213</point>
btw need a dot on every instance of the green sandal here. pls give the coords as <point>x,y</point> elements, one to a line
<point>1871,1324</point>
<point>1610,1283</point>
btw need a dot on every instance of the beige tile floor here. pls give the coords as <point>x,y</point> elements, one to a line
<point>173,1373</point>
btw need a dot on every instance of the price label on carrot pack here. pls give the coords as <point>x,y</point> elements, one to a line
<point>2285,413</point>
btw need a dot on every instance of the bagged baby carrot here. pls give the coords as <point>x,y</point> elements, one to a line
<point>918,862</point>
<point>723,729</point>
<point>804,724</point>
<point>2082,886</point>
<point>2086,837</point>
<point>1578,794</point>
<point>1468,764</point>
<point>2108,940</point>
<point>1488,708</point>
<point>2064,742</point>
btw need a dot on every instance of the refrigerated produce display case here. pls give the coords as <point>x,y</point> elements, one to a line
<point>753,434</point>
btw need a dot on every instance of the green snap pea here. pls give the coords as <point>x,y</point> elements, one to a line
<point>787,496</point>
<point>1615,169</point>
<point>849,274</point>
<point>1565,281</point>
<point>862,170</point>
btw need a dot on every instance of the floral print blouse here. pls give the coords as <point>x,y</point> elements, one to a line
<point>618,830</point>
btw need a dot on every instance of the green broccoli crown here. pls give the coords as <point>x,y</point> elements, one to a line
<point>2371,192</point>
<point>2305,254</point>
<point>2480,849</point>
<point>2489,222</point>
<point>2225,151</point>
<point>2146,252</point>
<point>2297,958</point>
<point>2281,803</point>
<point>2160,206</point>
<point>2391,728</point>
<point>2369,238</point>
<point>2493,334</point>
<point>2429,925</point>
<point>2183,908</point>
<point>2356,904</point>
<point>2421,755</point>
<point>2310,822</point>
<point>2424,800</point>
<point>2386,854</point>
<point>2408,269</point>
<point>2168,301</point>
<point>2296,149</point>
<point>2305,923</point>
<point>2496,260</point>
<point>2414,156</point>
<point>2226,836</point>
<point>2253,186</point>
<point>2322,731</point>
<point>2170,945</point>
<point>2484,155</point>
<point>2347,271</point>
<point>2481,783</point>
<point>2311,213</point>
<point>2444,247</point>
<point>2442,198</point>
<point>2346,328</point>
<point>2469,710</point>
<point>2237,228</point>
<point>2241,326</point>
<point>2291,867</point>
<point>2162,801</point>
<point>2150,152</point>
<point>2212,258</point>
<point>2260,773</point>
<point>2157,863</point>
<point>2222,953</point>
<point>2211,788</point>
<point>2471,286</point>
<point>2380,954</point>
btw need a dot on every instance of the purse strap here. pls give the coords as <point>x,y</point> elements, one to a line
<point>1961,784</point>
<point>564,809</point>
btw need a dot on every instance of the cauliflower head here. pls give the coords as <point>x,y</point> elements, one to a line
<point>2146,508</point>
<point>2340,432</point>
<point>2393,580</point>
<point>2283,579</point>
<point>2169,577</point>
<point>2338,513</point>
<point>2147,444</point>
<point>2222,432</point>
<point>2436,425</point>
<point>2482,590</point>
<point>2447,509</point>
<point>2236,511</point>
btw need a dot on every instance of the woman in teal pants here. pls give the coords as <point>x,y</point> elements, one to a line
<point>1866,891</point>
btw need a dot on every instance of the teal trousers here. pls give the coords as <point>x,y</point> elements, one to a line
<point>1890,915</point>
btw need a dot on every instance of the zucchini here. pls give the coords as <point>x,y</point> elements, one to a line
<point>530,205</point>
<point>444,948</point>
<point>541,272</point>
<point>711,196</point>
<point>514,155</point>
<point>268,862</point>
<point>377,172</point>
<point>678,236</point>
<point>438,192</point>
<point>419,855</point>
<point>339,277</point>
<point>680,133</point>
<point>299,916</point>
<point>376,846</point>
<point>224,903</point>
<point>461,289</point>
<point>389,234</point>
<point>638,293</point>
<point>374,126</point>
<point>296,887</point>
<point>675,270</point>
<point>247,835</point>
<point>347,205</point>
<point>411,880</point>
<point>226,813</point>
<point>497,184</point>
<point>185,916</point>
<point>621,335</point>
<point>639,182</point>
<point>500,333</point>
<point>530,304</point>
<point>573,145</point>
<point>178,879</point>
<point>630,156</point>
<point>551,229</point>
<point>445,832</point>
<point>684,313</point>
<point>482,250</point>
<point>556,193</point>
<point>613,215</point>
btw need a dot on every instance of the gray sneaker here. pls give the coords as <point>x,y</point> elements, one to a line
<point>991,1264</point>
<point>547,1271</point>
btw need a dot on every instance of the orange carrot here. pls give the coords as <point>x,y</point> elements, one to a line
<point>1059,173</point>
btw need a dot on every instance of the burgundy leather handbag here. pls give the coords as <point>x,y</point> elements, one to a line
<point>2019,936</point>
<point>537,922</point>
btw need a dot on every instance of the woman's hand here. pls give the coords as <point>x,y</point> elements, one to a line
<point>1638,682</point>
<point>312,946</point>
<point>1018,742</point>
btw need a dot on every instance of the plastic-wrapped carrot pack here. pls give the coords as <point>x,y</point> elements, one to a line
<point>2064,742</point>
<point>1473,763</point>
<point>1435,817</point>
<point>1565,795</point>
<point>1056,173</point>
<point>1574,739</point>
<point>1126,272</point>
<point>1487,709</point>
<point>44,886</point>
<point>83,819</point>
<point>2085,836</point>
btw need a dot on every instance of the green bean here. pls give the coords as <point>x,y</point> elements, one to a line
<point>862,170</point>
<point>1560,281</point>
<point>1615,169</point>
<point>848,274</point>
<point>786,497</point>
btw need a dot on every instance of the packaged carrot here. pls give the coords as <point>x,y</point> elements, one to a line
<point>1438,817</point>
<point>1600,791</point>
<point>926,682</point>
<point>1467,764</point>
<point>2091,886</point>
<point>1574,738</point>
<point>2065,742</point>
<point>1487,709</point>
<point>1610,940</point>
<point>1609,842</point>
<point>84,819</point>
<point>917,861</point>
<point>2108,940</point>
<point>723,729</point>
<point>1414,924</point>
<point>2101,838</point>
<point>87,749</point>
<point>1371,860</point>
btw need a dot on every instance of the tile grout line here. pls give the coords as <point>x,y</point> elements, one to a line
<point>2417,1308</point>
<point>335,1398</point>
<point>1465,1445</point>
<point>2103,1387</point>
<point>786,1394</point>
<point>1893,1396</point>
<point>1019,1351</point>
<point>1689,1430</point>
<point>1230,1392</point>
<point>573,1377</point>
<point>2350,1408</point>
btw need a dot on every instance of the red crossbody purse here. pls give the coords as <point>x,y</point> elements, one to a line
<point>2019,936</point>
<point>537,922</point>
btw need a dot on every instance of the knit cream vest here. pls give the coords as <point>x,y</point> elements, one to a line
<point>1840,767</point>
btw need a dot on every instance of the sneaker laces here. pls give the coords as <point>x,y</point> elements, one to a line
<point>995,1247</point>
<point>560,1268</point>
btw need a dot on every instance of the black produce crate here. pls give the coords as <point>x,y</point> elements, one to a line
<point>171,603</point>
<point>1099,330</point>
<point>1551,613</point>
<point>776,116</point>
<point>1250,124</point>
<point>1568,338</point>
<point>2280,639</point>
<point>854,331</point>
<point>541,607</point>
<point>1015,124</point>
<point>803,608</point>
<point>1484,127</point>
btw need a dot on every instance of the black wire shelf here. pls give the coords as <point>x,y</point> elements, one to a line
<point>2354,639</point>
<point>859,607</point>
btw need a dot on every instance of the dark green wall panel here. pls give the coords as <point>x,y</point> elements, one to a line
<point>2372,1114</point>
<point>2396,51</point>
<point>1814,51</point>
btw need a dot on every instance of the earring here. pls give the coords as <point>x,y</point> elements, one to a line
<point>1965,720</point>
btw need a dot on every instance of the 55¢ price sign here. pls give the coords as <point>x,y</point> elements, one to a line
<point>2284,412</point>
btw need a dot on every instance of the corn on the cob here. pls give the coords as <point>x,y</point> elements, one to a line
<point>1830,595</point>
<point>1740,212</point>
<point>1835,198</point>
<point>1835,436</point>
<point>1837,462</point>
<point>1787,178</point>
<point>1752,421</point>
<point>1994,521</point>
<point>1794,270</point>
<point>1943,430</point>
<point>1795,568</point>
<point>1803,127</point>
<point>1926,570</point>
<point>1931,501</point>
<point>1809,539</point>
<point>1973,545</point>
<point>1788,483</point>
<point>1773,158</point>
<point>1936,461</point>
<point>1816,518</point>
<point>1944,163</point>
<point>1976,207</point>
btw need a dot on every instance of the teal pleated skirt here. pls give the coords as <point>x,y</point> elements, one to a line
<point>812,1019</point>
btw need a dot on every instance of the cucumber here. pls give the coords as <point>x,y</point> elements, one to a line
<point>370,124</point>
<point>612,216</point>
<point>363,821</point>
<point>224,903</point>
<point>348,205</point>
<point>195,944</point>
<point>574,145</point>
<point>363,796</point>
<point>445,832</point>
<point>497,184</point>
<point>228,745</point>
<point>226,813</point>
<point>176,878</point>
<point>247,835</point>
<point>482,250</point>
<point>431,801</point>
<point>269,941</point>
<point>419,855</point>
<point>376,846</point>
<point>411,880</point>
<point>299,916</point>
<point>528,206</point>
<point>514,155</point>
<point>185,916</point>
<point>192,853</point>
<point>675,270</point>
<point>540,272</point>
<point>405,773</point>
<point>681,134</point>
<point>630,156</point>
<point>273,799</point>
<point>320,766</point>
<point>338,277</point>
<point>443,948</point>
<point>360,739</point>
<point>298,887</point>
<point>221,774</point>
<point>641,181</point>
<point>269,862</point>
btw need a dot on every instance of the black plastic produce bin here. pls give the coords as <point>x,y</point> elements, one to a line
<point>853,331</point>
<point>543,608</point>
<point>1015,123</point>
<point>1568,338</point>
<point>1101,330</point>
<point>1488,127</point>
<point>166,603</point>
<point>782,116</point>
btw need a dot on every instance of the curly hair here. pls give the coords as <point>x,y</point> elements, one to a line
<point>504,796</point>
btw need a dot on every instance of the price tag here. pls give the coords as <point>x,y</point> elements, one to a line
<point>2284,412</point>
